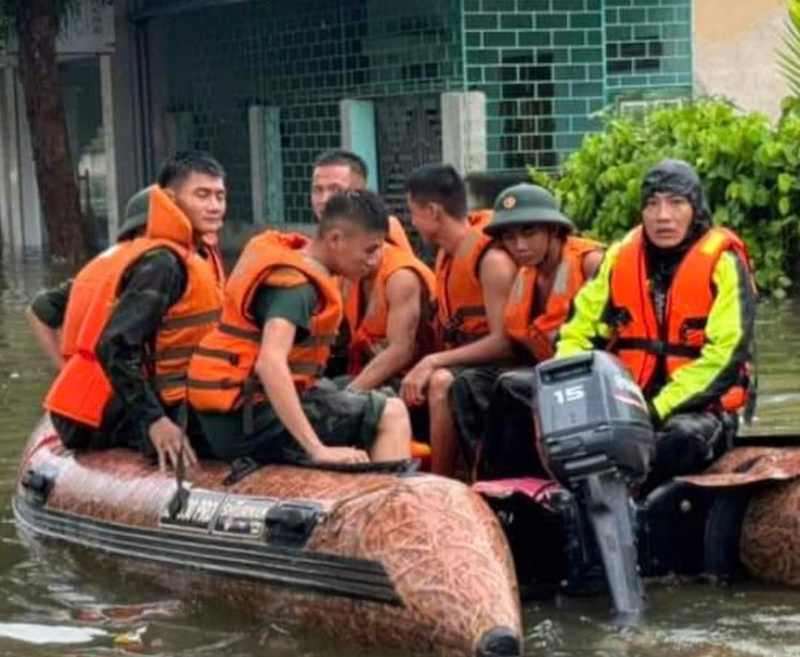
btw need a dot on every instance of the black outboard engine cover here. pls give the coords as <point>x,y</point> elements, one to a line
<point>591,418</point>
<point>596,438</point>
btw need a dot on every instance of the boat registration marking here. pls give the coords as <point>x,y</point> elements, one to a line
<point>243,517</point>
<point>197,514</point>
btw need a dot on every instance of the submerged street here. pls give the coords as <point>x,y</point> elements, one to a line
<point>69,603</point>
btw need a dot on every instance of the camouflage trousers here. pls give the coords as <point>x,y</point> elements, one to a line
<point>120,429</point>
<point>340,417</point>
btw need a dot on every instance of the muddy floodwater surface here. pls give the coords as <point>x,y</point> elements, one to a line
<point>56,602</point>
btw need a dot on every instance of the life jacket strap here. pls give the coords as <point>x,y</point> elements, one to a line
<point>244,334</point>
<point>656,347</point>
<point>188,321</point>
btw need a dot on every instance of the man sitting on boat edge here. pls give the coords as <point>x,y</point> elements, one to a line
<point>553,265</point>
<point>135,313</point>
<point>675,301</point>
<point>387,311</point>
<point>255,381</point>
<point>186,174</point>
<point>389,316</point>
<point>473,279</point>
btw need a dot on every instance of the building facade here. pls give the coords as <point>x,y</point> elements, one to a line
<point>736,45</point>
<point>265,86</point>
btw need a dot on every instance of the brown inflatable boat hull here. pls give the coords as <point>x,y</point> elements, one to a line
<point>409,561</point>
<point>768,480</point>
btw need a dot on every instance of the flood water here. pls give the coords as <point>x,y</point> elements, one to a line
<point>53,602</point>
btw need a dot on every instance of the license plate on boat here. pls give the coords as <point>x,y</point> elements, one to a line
<point>197,513</point>
<point>219,514</point>
<point>243,517</point>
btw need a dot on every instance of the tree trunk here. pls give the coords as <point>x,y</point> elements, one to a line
<point>37,29</point>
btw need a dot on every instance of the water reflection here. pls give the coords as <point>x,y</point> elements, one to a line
<point>59,601</point>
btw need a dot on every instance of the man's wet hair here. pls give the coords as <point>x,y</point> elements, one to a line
<point>486,186</point>
<point>362,209</point>
<point>342,157</point>
<point>439,183</point>
<point>177,168</point>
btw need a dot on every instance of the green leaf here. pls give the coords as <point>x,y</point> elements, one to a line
<point>750,169</point>
<point>785,183</point>
<point>747,191</point>
<point>762,197</point>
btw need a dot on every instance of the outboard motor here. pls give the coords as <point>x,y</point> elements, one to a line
<point>596,438</point>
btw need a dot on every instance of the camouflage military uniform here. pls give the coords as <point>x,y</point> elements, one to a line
<point>50,305</point>
<point>149,288</point>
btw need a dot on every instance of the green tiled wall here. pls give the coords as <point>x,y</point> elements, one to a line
<point>648,47</point>
<point>547,65</point>
<point>540,63</point>
<point>303,56</point>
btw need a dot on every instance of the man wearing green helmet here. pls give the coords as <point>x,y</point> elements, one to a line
<point>553,265</point>
<point>191,188</point>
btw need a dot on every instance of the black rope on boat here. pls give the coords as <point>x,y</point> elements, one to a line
<point>181,496</point>
<point>242,467</point>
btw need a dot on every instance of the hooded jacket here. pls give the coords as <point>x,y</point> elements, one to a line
<point>725,323</point>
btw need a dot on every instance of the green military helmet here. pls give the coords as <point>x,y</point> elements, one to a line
<point>136,212</point>
<point>526,205</point>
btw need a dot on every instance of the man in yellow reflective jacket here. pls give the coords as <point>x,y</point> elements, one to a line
<point>675,301</point>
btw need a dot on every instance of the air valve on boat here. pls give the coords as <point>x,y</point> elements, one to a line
<point>37,486</point>
<point>291,523</point>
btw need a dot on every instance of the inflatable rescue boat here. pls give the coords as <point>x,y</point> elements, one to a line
<point>589,528</point>
<point>421,562</point>
<point>377,559</point>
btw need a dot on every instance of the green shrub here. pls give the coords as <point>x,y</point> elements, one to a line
<point>750,170</point>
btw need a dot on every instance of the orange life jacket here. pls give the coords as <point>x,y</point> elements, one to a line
<point>368,330</point>
<point>221,376</point>
<point>537,333</point>
<point>640,339</point>
<point>461,313</point>
<point>81,391</point>
<point>397,234</point>
<point>214,257</point>
<point>83,289</point>
<point>480,218</point>
<point>81,295</point>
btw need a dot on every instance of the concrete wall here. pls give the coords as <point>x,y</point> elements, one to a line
<point>735,51</point>
<point>102,92</point>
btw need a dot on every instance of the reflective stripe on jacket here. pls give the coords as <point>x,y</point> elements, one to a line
<point>221,373</point>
